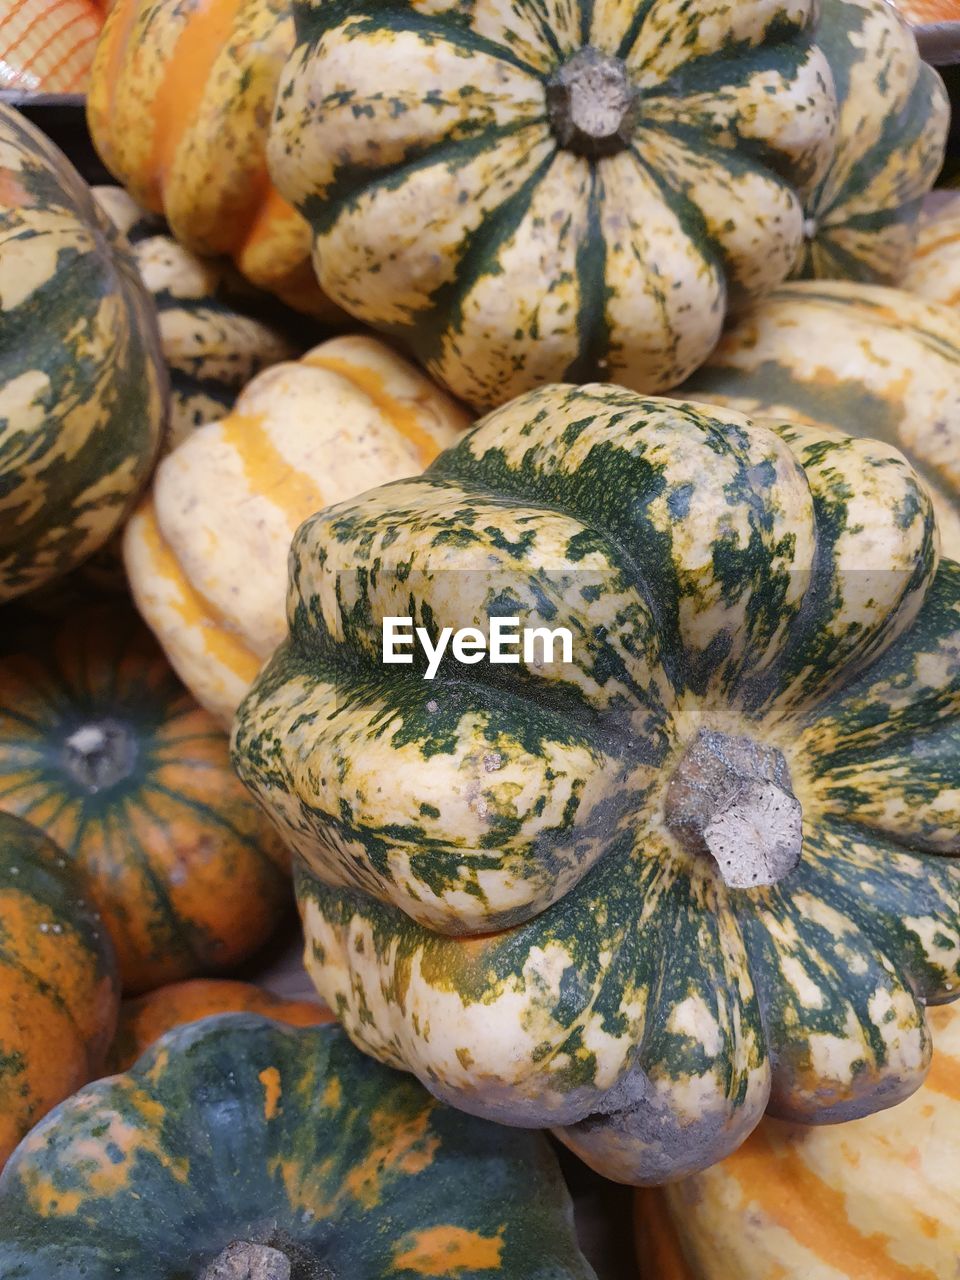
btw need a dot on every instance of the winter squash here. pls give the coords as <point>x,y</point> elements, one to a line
<point>893,119</point>
<point>102,748</point>
<point>703,865</point>
<point>546,191</point>
<point>206,552</point>
<point>46,46</point>
<point>878,1197</point>
<point>58,985</point>
<point>237,1146</point>
<point>935,268</point>
<point>178,109</point>
<point>82,385</point>
<point>144,1019</point>
<point>216,333</point>
<point>869,360</point>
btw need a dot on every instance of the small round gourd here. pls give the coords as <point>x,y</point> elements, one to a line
<point>103,748</point>
<point>538,192</point>
<point>144,1019</point>
<point>59,992</point>
<point>238,1147</point>
<point>216,331</point>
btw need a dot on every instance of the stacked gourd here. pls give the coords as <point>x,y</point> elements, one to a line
<point>685,898</point>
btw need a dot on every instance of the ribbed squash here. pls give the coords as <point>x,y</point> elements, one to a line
<point>179,107</point>
<point>47,46</point>
<point>237,1147</point>
<point>145,1019</point>
<point>215,332</point>
<point>872,361</point>
<point>103,748</point>
<point>206,552</point>
<point>935,268</point>
<point>879,1197</point>
<point>893,121</point>
<point>538,191</point>
<point>707,866</point>
<point>58,982</point>
<point>82,383</point>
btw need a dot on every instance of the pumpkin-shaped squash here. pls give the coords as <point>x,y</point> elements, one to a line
<point>237,1147</point>
<point>874,361</point>
<point>206,552</point>
<point>82,383</point>
<point>58,984</point>
<point>547,190</point>
<point>216,331</point>
<point>46,46</point>
<point>705,864</point>
<point>103,748</point>
<point>893,119</point>
<point>179,105</point>
<point>879,1197</point>
<point>144,1019</point>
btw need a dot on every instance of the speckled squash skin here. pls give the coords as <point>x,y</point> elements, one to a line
<point>58,981</point>
<point>496,890</point>
<point>509,236</point>
<point>893,121</point>
<point>82,382</point>
<point>238,1128</point>
<point>103,748</point>
<point>879,1197</point>
<point>216,333</point>
<point>206,552</point>
<point>145,1019</point>
<point>869,360</point>
<point>179,104</point>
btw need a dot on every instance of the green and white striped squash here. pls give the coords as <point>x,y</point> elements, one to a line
<point>893,121</point>
<point>553,190</point>
<point>241,1149</point>
<point>859,358</point>
<point>508,883</point>
<point>217,332</point>
<point>82,383</point>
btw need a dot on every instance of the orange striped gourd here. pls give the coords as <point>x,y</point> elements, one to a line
<point>875,1199</point>
<point>206,552</point>
<point>47,46</point>
<point>179,104</point>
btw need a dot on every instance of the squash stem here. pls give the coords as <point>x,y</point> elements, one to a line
<point>247,1260</point>
<point>592,104</point>
<point>732,799</point>
<point>100,754</point>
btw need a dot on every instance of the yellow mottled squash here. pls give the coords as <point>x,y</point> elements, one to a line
<point>216,331</point>
<point>877,1198</point>
<point>206,552</point>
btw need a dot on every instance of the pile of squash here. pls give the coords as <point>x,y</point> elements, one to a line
<point>634,319</point>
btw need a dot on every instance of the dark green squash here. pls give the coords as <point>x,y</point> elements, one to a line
<point>284,1146</point>
<point>82,382</point>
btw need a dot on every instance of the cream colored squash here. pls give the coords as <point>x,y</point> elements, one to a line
<point>868,360</point>
<point>206,552</point>
<point>874,1199</point>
